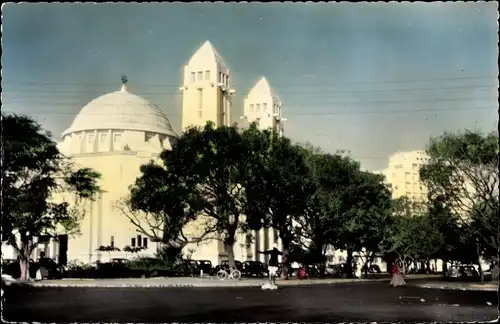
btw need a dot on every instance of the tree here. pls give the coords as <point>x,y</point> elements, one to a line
<point>216,160</point>
<point>445,222</point>
<point>463,169</point>
<point>163,201</point>
<point>276,186</point>
<point>320,222</point>
<point>411,236</point>
<point>33,171</point>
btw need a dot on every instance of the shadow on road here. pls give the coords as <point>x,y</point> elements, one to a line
<point>315,303</point>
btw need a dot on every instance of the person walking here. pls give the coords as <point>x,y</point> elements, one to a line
<point>272,264</point>
<point>397,277</point>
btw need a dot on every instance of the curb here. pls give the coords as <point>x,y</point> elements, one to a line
<point>203,283</point>
<point>208,284</point>
<point>457,288</point>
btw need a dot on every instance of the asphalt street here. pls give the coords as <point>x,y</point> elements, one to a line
<point>353,302</point>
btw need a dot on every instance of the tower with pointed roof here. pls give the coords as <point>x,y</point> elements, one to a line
<point>263,106</point>
<point>206,89</point>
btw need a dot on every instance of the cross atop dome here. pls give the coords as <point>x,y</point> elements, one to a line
<point>124,82</point>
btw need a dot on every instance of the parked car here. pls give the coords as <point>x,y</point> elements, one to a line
<point>189,267</point>
<point>462,272</point>
<point>205,266</point>
<point>338,270</point>
<point>280,270</point>
<point>254,268</point>
<point>49,269</point>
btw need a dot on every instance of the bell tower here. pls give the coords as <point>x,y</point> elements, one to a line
<point>206,89</point>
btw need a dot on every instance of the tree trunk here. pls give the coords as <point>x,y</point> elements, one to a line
<point>286,255</point>
<point>230,255</point>
<point>478,251</point>
<point>445,267</point>
<point>24,258</point>
<point>349,263</point>
<point>24,265</point>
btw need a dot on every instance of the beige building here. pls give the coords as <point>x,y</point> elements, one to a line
<point>403,176</point>
<point>263,106</point>
<point>206,89</point>
<point>118,132</point>
<point>113,134</point>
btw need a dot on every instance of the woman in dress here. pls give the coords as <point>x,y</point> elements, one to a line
<point>397,277</point>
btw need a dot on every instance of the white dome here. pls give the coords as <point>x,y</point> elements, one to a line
<point>121,110</point>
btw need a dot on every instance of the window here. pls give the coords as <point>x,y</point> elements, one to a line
<point>258,108</point>
<point>207,75</point>
<point>193,76</point>
<point>133,242</point>
<point>117,137</point>
<point>139,240</point>
<point>145,242</point>
<point>148,136</point>
<point>104,138</point>
<point>112,241</point>
<point>91,138</point>
<point>227,80</point>
<point>264,107</point>
<point>251,107</point>
<point>219,78</point>
<point>200,75</point>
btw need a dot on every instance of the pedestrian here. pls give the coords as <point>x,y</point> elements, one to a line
<point>357,270</point>
<point>397,277</point>
<point>272,266</point>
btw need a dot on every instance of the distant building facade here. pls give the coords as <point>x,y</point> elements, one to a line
<point>402,174</point>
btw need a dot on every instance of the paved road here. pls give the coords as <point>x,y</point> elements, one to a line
<point>322,303</point>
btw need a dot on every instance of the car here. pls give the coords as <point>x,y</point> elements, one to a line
<point>462,272</point>
<point>49,269</point>
<point>254,268</point>
<point>45,268</point>
<point>205,266</point>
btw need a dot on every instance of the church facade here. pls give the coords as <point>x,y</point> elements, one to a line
<point>118,132</point>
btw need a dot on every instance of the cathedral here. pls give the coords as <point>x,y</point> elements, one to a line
<point>118,132</point>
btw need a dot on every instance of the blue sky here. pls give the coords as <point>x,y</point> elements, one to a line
<point>370,78</point>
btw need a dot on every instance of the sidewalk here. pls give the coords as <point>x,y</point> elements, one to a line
<point>487,286</point>
<point>198,282</point>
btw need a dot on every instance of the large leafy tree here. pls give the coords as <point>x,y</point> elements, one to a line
<point>277,187</point>
<point>320,224</point>
<point>33,171</point>
<point>216,161</point>
<point>162,202</point>
<point>449,244</point>
<point>411,238</point>
<point>463,168</point>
